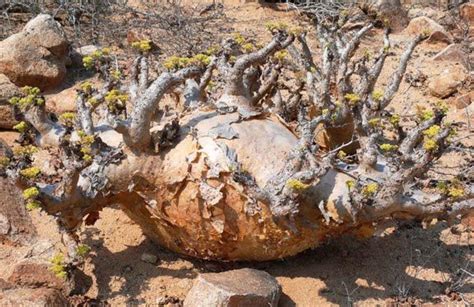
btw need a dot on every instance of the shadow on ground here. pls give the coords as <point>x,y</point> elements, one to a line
<point>410,265</point>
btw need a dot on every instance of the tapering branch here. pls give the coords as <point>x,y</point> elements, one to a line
<point>344,58</point>
<point>397,76</point>
<point>234,84</point>
<point>267,86</point>
<point>139,136</point>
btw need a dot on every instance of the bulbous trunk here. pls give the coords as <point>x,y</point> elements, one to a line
<point>198,207</point>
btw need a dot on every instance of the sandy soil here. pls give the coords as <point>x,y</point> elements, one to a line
<point>412,265</point>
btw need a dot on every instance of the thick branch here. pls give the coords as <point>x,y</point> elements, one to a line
<point>50,132</point>
<point>267,86</point>
<point>139,133</point>
<point>234,84</point>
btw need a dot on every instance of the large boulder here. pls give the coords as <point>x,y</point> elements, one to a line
<point>427,25</point>
<point>7,90</point>
<point>244,287</point>
<point>37,55</point>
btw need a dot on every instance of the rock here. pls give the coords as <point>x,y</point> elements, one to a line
<point>150,258</point>
<point>422,24</point>
<point>446,84</point>
<point>425,11</point>
<point>463,101</point>
<point>4,225</point>
<point>244,287</point>
<point>35,275</point>
<point>14,214</point>
<point>78,53</point>
<point>61,102</point>
<point>453,53</point>
<point>5,285</point>
<point>37,55</point>
<point>32,297</point>
<point>466,12</point>
<point>393,12</point>
<point>7,90</point>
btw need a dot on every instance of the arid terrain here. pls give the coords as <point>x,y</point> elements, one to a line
<point>404,263</point>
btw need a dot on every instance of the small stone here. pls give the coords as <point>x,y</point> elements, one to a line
<point>466,12</point>
<point>7,90</point>
<point>186,265</point>
<point>463,101</point>
<point>150,258</point>
<point>4,225</point>
<point>244,287</point>
<point>446,83</point>
<point>452,53</point>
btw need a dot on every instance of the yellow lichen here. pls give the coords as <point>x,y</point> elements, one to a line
<point>455,192</point>
<point>83,250</point>
<point>454,189</point>
<point>341,154</point>
<point>86,87</point>
<point>432,131</point>
<point>33,205</point>
<point>21,127</point>
<point>67,118</point>
<point>374,122</point>
<point>239,38</point>
<point>4,162</point>
<point>377,95</point>
<point>350,184</point>
<point>276,26</point>
<point>30,193</point>
<point>58,266</point>
<point>281,55</point>
<point>88,62</point>
<point>388,147</point>
<point>30,172</point>
<point>248,47</point>
<point>25,150</point>
<point>296,184</point>
<point>395,120</point>
<point>430,144</point>
<point>352,98</point>
<point>370,189</point>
